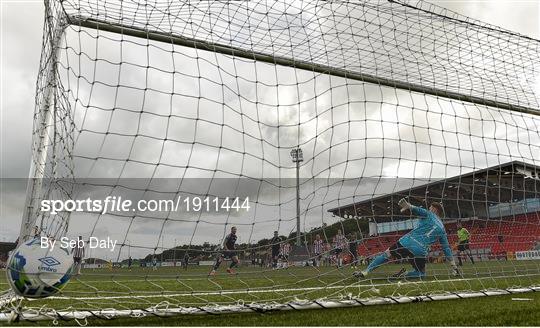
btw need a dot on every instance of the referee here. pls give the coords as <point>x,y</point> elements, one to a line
<point>463,243</point>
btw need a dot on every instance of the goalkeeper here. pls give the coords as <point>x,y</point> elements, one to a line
<point>415,245</point>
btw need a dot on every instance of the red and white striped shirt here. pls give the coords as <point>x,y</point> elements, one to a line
<point>318,246</point>
<point>285,249</point>
<point>340,241</point>
<point>78,251</point>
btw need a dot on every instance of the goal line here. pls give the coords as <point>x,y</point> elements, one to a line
<point>167,309</point>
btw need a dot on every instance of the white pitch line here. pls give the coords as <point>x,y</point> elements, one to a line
<point>259,291</point>
<point>205,277</point>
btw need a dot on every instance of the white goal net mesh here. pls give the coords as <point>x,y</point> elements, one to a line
<point>193,110</point>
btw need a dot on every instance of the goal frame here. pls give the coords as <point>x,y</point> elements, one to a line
<point>46,121</point>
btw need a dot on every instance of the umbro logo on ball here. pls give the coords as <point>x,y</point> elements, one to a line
<point>49,261</point>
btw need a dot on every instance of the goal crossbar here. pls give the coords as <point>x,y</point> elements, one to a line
<point>288,62</point>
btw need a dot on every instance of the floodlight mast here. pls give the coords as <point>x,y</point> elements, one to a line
<point>297,157</point>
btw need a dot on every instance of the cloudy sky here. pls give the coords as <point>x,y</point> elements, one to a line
<point>330,125</point>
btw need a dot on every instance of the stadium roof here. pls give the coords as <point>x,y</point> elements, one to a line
<point>465,195</point>
<point>5,247</point>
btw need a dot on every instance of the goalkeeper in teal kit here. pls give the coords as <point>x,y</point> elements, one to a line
<point>415,245</point>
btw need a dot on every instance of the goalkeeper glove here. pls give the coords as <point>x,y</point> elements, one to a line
<point>404,204</point>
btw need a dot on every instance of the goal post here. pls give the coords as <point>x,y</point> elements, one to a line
<point>44,118</point>
<point>191,111</point>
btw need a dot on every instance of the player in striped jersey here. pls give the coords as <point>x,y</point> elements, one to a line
<point>340,244</point>
<point>78,255</point>
<point>285,249</point>
<point>318,250</point>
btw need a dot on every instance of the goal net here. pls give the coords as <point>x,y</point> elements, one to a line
<point>311,119</point>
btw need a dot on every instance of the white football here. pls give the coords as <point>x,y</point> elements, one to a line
<point>37,272</point>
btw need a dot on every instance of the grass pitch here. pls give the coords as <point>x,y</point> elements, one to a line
<point>484,311</point>
<point>142,288</point>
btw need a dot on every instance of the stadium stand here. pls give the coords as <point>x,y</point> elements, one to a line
<point>490,238</point>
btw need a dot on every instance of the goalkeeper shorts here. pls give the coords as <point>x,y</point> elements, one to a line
<point>400,252</point>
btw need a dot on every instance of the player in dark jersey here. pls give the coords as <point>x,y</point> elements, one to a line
<point>275,243</point>
<point>185,261</point>
<point>228,252</point>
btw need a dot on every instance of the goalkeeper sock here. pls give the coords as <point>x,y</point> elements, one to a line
<point>415,274</point>
<point>377,261</point>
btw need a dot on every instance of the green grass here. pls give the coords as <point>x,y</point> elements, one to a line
<point>142,288</point>
<point>484,311</point>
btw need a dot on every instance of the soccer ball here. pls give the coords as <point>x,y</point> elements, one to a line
<point>37,272</point>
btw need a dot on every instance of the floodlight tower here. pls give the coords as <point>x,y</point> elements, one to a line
<point>297,157</point>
